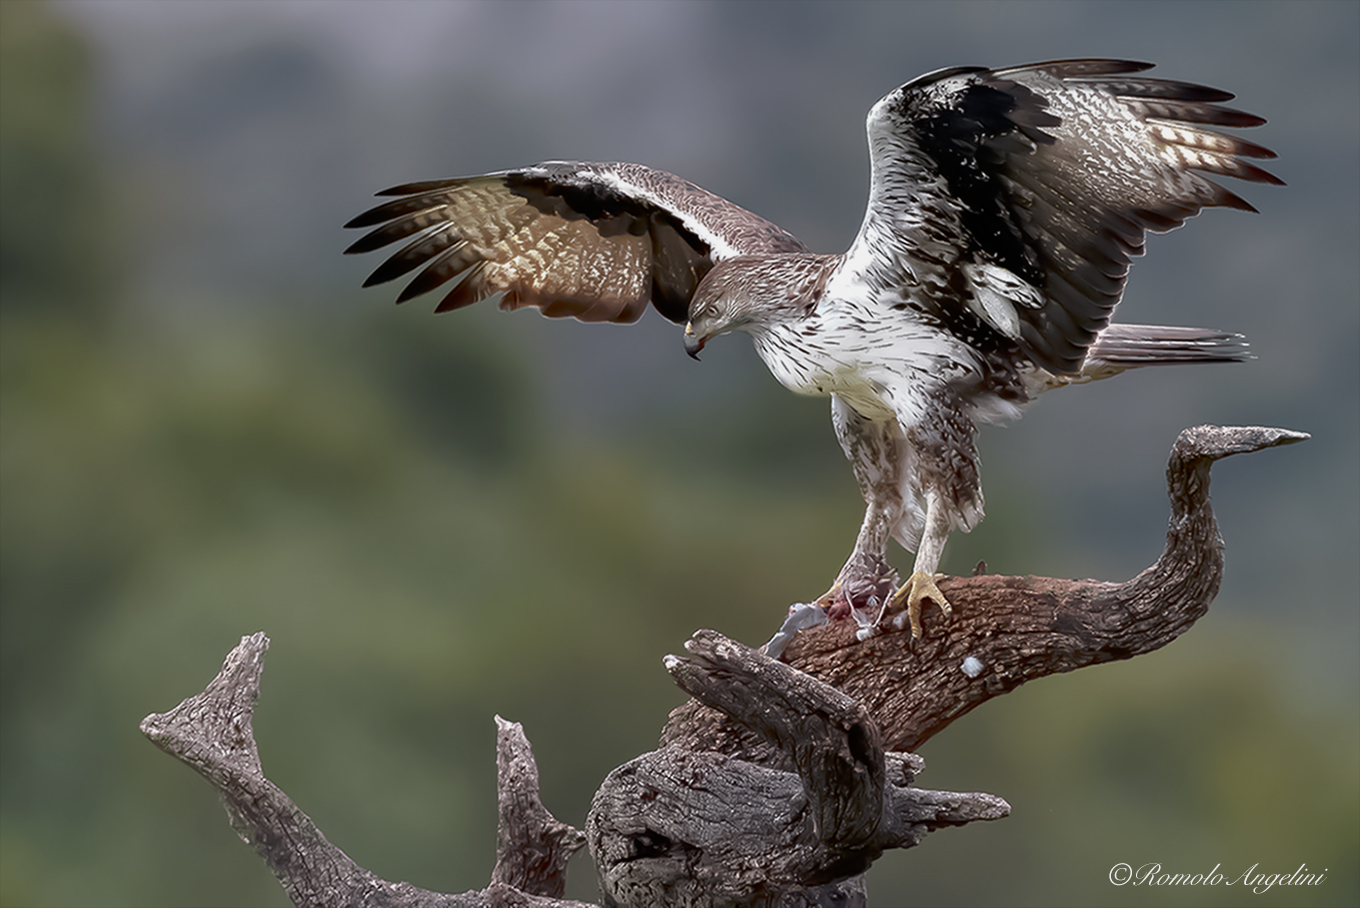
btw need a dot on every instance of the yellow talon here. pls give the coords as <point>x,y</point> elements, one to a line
<point>919,587</point>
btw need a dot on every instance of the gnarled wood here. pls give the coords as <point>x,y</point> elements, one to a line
<point>773,786</point>
<point>1015,628</point>
<point>689,828</point>
<point>532,846</point>
<point>212,733</point>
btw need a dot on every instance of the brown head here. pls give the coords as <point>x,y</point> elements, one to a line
<point>753,291</point>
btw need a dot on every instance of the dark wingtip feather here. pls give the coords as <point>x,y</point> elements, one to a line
<point>1245,149</point>
<point>1240,118</point>
<point>367,219</point>
<point>463,293</point>
<point>1161,89</point>
<point>1127,66</point>
<point>1257,175</point>
<point>1083,67</point>
<point>416,188</point>
<point>1192,112</point>
<point>412,290</point>
<point>1251,173</point>
<point>368,242</point>
<point>394,268</point>
<point>1190,91</point>
<point>433,276</point>
<point>1233,200</point>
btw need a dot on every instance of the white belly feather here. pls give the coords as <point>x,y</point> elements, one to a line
<point>877,360</point>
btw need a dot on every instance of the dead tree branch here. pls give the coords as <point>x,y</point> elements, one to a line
<point>692,828</point>
<point>212,733</point>
<point>1009,630</point>
<point>776,785</point>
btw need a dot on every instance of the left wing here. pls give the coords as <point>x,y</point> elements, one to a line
<point>592,241</point>
<point>1009,202</point>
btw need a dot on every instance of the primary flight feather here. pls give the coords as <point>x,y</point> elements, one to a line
<point>1004,208</point>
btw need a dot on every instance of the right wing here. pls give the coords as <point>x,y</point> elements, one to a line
<point>592,241</point>
<point>1012,200</point>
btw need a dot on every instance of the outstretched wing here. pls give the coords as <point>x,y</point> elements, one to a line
<point>1012,200</point>
<point>593,241</point>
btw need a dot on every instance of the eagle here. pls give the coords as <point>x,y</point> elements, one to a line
<point>1005,206</point>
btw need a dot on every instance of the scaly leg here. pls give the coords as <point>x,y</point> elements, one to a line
<point>920,586</point>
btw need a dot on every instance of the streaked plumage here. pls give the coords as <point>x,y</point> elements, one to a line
<point>1004,208</point>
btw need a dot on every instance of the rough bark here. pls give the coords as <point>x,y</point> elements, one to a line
<point>693,828</point>
<point>1015,628</point>
<point>212,733</point>
<point>532,846</point>
<point>777,784</point>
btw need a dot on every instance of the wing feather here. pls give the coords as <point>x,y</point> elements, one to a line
<point>441,265</point>
<point>464,289</point>
<point>596,242</point>
<point>1054,171</point>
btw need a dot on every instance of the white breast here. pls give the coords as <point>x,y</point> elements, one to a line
<point>878,359</point>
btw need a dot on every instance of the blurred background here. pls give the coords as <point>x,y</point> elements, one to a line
<point>209,429</point>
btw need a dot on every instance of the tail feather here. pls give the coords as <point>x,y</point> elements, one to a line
<point>1122,347</point>
<point>1130,346</point>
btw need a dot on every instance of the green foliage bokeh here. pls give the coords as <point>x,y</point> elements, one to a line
<point>379,495</point>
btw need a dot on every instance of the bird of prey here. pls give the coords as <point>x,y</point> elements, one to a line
<point>1004,208</point>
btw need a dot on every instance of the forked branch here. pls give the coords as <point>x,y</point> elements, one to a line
<point>777,784</point>
<point>212,733</point>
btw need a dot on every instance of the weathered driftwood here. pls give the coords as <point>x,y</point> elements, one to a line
<point>773,786</point>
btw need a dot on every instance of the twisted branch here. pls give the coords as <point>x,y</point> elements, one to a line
<point>1009,630</point>
<point>211,732</point>
<point>777,784</point>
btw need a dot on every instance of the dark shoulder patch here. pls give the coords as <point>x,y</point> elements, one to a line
<point>967,139</point>
<point>570,198</point>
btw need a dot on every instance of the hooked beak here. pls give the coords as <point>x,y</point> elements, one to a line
<point>693,342</point>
